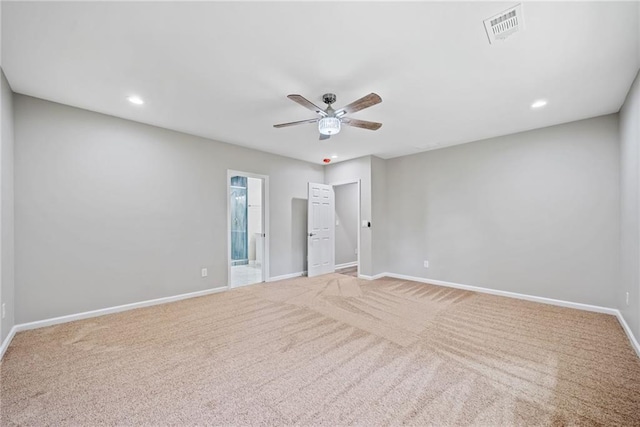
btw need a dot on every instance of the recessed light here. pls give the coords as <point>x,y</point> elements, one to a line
<point>135,100</point>
<point>334,157</point>
<point>539,103</point>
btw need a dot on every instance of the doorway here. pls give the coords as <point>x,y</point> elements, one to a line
<point>347,221</point>
<point>247,228</point>
<point>347,227</point>
<point>333,228</point>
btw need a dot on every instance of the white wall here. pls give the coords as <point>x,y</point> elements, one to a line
<point>7,287</point>
<point>535,212</point>
<point>110,211</point>
<point>630,208</point>
<point>346,199</point>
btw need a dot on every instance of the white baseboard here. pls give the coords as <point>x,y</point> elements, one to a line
<point>7,341</point>
<point>508,294</point>
<point>148,303</point>
<point>627,330</point>
<point>374,277</point>
<point>543,300</point>
<point>101,312</point>
<point>287,276</point>
<point>346,265</point>
<point>119,308</point>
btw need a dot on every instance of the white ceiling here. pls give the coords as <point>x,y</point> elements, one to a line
<point>223,70</point>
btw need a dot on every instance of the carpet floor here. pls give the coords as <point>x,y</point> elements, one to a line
<point>331,350</point>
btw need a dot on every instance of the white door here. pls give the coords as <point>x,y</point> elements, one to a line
<point>320,230</point>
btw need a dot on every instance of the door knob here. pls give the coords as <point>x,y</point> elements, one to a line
<point>311,234</point>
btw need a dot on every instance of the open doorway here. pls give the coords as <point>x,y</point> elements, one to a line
<point>247,228</point>
<point>347,230</point>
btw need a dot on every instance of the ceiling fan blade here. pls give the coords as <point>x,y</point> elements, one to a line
<point>307,104</point>
<point>323,137</point>
<point>301,122</point>
<point>364,124</point>
<point>362,103</point>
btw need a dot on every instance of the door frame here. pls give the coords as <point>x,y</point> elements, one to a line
<point>265,222</point>
<point>359,201</point>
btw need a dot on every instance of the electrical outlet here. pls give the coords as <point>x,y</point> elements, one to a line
<point>627,298</point>
<point>426,264</point>
<point>3,311</point>
<point>204,272</point>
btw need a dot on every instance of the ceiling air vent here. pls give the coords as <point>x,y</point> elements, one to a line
<point>504,24</point>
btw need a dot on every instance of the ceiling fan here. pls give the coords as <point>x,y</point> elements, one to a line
<point>330,120</point>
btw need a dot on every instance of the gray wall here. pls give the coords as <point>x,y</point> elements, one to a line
<point>352,171</point>
<point>110,211</point>
<point>379,215</point>
<point>630,208</point>
<point>535,213</point>
<point>6,207</point>
<point>346,197</point>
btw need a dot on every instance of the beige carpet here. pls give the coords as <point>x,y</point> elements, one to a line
<point>333,350</point>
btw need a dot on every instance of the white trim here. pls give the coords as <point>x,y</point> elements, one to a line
<point>110,310</point>
<point>627,330</point>
<point>116,309</point>
<point>7,341</point>
<point>347,265</point>
<point>359,245</point>
<point>561,303</point>
<point>101,312</point>
<point>579,306</point>
<point>287,276</point>
<point>374,277</point>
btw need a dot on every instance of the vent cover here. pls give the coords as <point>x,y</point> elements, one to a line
<point>504,24</point>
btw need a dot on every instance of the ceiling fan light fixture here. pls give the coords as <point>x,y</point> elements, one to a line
<point>329,125</point>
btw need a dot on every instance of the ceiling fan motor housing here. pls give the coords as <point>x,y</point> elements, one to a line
<point>329,98</point>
